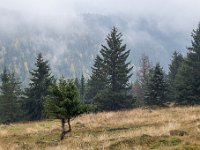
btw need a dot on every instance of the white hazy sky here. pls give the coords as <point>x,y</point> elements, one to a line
<point>170,16</point>
<point>182,14</point>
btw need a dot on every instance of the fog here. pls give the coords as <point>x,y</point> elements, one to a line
<point>179,14</point>
<point>154,27</point>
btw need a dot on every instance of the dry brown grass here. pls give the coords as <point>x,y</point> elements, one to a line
<point>134,129</point>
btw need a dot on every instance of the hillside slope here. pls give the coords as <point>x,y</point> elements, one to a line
<point>134,129</point>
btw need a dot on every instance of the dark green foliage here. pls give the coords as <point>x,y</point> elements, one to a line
<point>10,98</point>
<point>114,62</point>
<point>41,79</point>
<point>97,82</point>
<point>111,74</point>
<point>156,92</point>
<point>63,100</point>
<point>110,100</point>
<point>184,86</point>
<point>63,103</point>
<point>176,62</point>
<point>188,78</point>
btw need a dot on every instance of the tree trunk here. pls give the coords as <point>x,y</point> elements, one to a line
<point>63,132</point>
<point>62,129</point>
<point>68,121</point>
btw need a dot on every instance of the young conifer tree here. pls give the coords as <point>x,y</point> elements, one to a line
<point>156,92</point>
<point>63,102</point>
<point>188,78</point>
<point>10,98</point>
<point>41,79</point>
<point>176,62</point>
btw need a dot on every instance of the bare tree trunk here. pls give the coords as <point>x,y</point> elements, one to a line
<point>62,129</point>
<point>68,121</point>
<point>63,132</point>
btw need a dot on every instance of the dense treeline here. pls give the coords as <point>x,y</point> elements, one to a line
<point>108,88</point>
<point>182,83</point>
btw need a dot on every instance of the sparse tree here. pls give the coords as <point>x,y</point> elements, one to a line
<point>137,92</point>
<point>144,68</point>
<point>142,78</point>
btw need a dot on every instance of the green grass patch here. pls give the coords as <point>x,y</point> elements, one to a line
<point>146,141</point>
<point>165,142</point>
<point>191,147</point>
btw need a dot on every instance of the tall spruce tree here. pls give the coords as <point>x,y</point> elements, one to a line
<point>115,62</point>
<point>10,98</point>
<point>176,62</point>
<point>156,92</point>
<point>115,71</point>
<point>41,79</point>
<point>188,78</point>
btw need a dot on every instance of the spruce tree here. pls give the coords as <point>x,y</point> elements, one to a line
<point>176,62</point>
<point>156,92</point>
<point>113,73</point>
<point>10,98</point>
<point>41,79</point>
<point>115,62</point>
<point>188,78</point>
<point>183,85</point>
<point>63,103</point>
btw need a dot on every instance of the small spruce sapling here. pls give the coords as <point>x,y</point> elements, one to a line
<point>63,103</point>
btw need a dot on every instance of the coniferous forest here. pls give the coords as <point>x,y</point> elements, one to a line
<point>109,87</point>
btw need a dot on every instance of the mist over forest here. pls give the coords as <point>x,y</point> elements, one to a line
<point>70,34</point>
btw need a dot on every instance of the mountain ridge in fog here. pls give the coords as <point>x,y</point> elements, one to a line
<point>71,50</point>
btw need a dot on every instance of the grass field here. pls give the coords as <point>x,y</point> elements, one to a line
<point>139,129</point>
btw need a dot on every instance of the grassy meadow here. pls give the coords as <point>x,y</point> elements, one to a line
<point>137,129</point>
